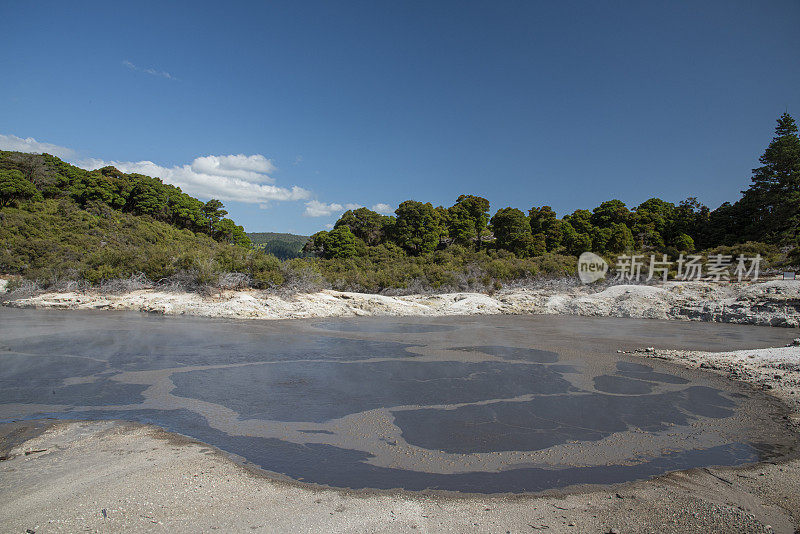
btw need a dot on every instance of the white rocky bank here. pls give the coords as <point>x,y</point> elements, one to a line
<point>775,303</point>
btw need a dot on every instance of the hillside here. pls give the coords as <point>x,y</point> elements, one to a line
<point>62,223</point>
<point>282,246</point>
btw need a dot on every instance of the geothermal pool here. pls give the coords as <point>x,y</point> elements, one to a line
<point>467,404</point>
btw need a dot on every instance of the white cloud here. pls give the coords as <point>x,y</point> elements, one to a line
<point>12,142</point>
<point>152,72</point>
<point>329,226</point>
<point>385,209</point>
<point>238,178</point>
<point>248,168</point>
<point>315,208</point>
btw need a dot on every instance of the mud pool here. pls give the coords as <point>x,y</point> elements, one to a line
<point>468,404</point>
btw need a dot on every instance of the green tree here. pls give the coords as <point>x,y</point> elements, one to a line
<point>600,239</point>
<point>467,219</point>
<point>14,186</point>
<point>338,243</point>
<point>185,211</point>
<point>365,224</point>
<point>581,221</point>
<point>722,228</point>
<point>770,208</point>
<point>579,243</point>
<point>148,197</point>
<point>690,218</point>
<point>620,238</point>
<point>213,211</point>
<point>545,221</point>
<point>540,218</point>
<point>341,243</point>
<point>228,231</point>
<point>684,243</point>
<point>316,244</point>
<point>418,227</point>
<point>512,230</point>
<point>610,212</point>
<point>652,223</point>
<point>108,185</point>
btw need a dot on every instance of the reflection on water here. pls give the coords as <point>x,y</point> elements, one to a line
<point>464,404</point>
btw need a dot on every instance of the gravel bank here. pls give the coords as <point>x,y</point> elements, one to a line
<point>774,303</point>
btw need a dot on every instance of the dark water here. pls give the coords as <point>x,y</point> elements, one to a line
<point>493,404</point>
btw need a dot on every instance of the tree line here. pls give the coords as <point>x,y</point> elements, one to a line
<point>768,212</point>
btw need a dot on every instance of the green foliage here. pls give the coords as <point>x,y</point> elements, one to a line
<point>387,267</point>
<point>466,220</point>
<point>512,231</point>
<point>213,211</point>
<point>620,239</point>
<point>229,232</point>
<point>579,243</point>
<point>544,222</point>
<point>610,212</point>
<point>365,224</point>
<point>338,243</point>
<point>341,243</point>
<point>581,221</point>
<point>418,227</point>
<point>684,243</point>
<point>14,187</point>
<point>770,209</point>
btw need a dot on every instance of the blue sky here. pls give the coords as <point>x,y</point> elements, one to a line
<point>330,104</point>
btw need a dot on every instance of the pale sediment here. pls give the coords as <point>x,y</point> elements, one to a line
<point>773,303</point>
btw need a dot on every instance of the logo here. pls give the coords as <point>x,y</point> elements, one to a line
<point>591,267</point>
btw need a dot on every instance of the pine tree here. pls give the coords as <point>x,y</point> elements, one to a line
<point>771,206</point>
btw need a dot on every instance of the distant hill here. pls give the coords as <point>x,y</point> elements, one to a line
<point>282,246</point>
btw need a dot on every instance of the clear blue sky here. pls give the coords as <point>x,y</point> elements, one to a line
<point>525,103</point>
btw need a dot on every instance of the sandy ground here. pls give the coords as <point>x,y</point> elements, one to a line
<point>113,477</point>
<point>774,303</point>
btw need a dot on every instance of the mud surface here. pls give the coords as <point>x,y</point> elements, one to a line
<point>469,404</point>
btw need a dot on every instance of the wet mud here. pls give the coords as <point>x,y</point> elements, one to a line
<point>468,404</point>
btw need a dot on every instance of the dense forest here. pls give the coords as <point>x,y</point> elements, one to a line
<point>60,224</point>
